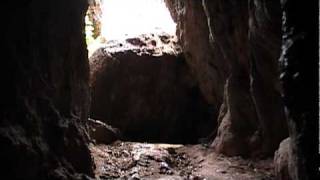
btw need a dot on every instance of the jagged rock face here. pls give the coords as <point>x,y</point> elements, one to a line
<point>237,132</point>
<point>282,157</point>
<point>147,91</point>
<point>299,62</point>
<point>264,40</point>
<point>101,133</point>
<point>206,61</point>
<point>45,99</point>
<point>242,40</point>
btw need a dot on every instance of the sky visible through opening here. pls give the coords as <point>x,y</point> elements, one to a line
<point>129,18</point>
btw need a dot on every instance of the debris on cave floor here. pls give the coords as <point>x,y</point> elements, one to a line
<point>131,160</point>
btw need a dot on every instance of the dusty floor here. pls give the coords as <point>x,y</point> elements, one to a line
<point>130,160</point>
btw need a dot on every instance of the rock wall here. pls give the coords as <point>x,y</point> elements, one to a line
<point>238,124</point>
<point>45,93</point>
<point>193,34</point>
<point>282,157</point>
<point>238,45</point>
<point>144,87</point>
<point>300,78</point>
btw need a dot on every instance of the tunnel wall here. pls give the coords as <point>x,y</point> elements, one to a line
<point>300,80</point>
<point>235,60</point>
<point>45,96</point>
<point>44,72</point>
<point>245,40</point>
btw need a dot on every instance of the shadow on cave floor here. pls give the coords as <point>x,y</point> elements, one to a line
<point>132,160</point>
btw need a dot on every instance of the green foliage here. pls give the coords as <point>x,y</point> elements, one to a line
<point>89,28</point>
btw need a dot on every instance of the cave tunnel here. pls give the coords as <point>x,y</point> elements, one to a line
<point>160,89</point>
<point>141,83</point>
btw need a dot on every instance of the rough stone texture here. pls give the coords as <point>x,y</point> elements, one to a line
<point>229,31</point>
<point>242,40</point>
<point>44,73</point>
<point>144,87</point>
<point>102,133</point>
<point>281,160</point>
<point>206,61</point>
<point>264,44</point>
<point>45,95</point>
<point>300,78</point>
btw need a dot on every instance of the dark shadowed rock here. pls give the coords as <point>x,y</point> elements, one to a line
<point>233,53</point>
<point>206,61</point>
<point>45,97</point>
<point>300,82</point>
<point>224,79</point>
<point>102,133</point>
<point>265,50</point>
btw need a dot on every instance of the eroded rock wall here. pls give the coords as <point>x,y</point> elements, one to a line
<point>45,95</point>
<point>206,61</point>
<point>300,79</point>
<point>265,49</point>
<point>242,40</point>
<point>236,134</point>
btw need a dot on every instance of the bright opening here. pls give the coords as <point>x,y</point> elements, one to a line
<point>121,19</point>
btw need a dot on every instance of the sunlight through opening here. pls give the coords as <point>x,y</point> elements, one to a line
<point>108,20</point>
<point>129,18</point>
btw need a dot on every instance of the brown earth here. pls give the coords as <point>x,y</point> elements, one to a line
<point>125,160</point>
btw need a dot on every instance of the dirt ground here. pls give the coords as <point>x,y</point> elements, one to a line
<point>131,160</point>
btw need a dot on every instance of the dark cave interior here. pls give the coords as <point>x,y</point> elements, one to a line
<point>233,94</point>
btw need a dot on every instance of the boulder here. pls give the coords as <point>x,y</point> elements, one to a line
<point>143,87</point>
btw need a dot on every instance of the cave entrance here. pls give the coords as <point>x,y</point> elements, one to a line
<point>141,83</point>
<point>108,20</point>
